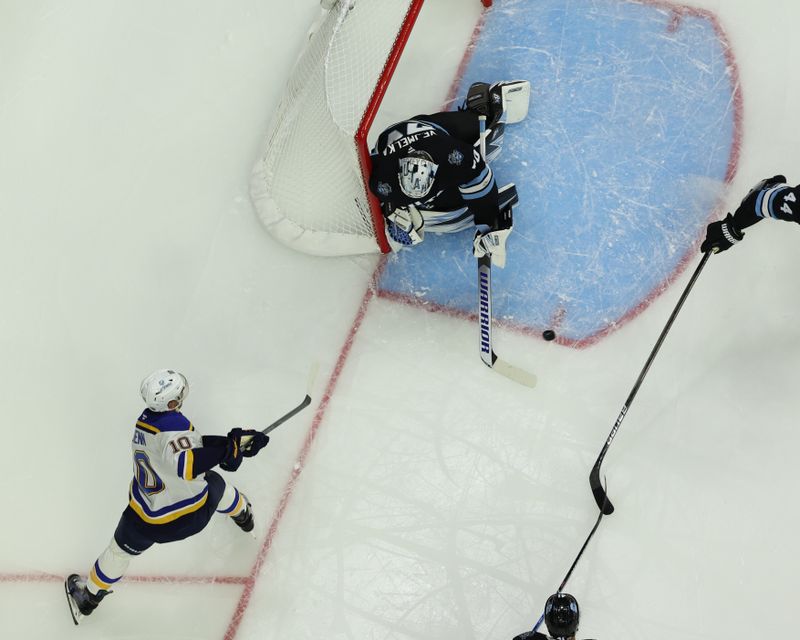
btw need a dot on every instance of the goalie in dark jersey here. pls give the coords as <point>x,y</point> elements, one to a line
<point>432,173</point>
<point>770,198</point>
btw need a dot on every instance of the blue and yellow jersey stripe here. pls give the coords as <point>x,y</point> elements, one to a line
<point>147,427</point>
<point>165,514</point>
<point>186,465</point>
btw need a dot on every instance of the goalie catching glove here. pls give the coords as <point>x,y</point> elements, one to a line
<point>404,225</point>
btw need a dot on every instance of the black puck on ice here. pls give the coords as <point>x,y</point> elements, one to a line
<point>549,334</point>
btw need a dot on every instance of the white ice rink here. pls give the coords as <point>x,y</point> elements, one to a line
<point>421,496</point>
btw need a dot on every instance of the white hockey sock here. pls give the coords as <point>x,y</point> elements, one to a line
<point>109,568</point>
<point>232,502</point>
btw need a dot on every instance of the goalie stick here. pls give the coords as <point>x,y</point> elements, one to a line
<point>312,375</point>
<point>488,355</point>
<point>600,495</point>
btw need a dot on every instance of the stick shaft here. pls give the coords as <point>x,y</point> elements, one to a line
<point>306,401</point>
<point>574,564</point>
<point>312,376</point>
<point>600,495</point>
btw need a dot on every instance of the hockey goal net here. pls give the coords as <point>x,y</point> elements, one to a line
<point>309,185</point>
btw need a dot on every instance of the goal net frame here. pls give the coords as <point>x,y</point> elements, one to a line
<point>330,223</point>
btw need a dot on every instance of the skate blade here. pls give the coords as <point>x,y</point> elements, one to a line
<point>77,616</point>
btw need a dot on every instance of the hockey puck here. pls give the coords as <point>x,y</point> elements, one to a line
<point>549,334</point>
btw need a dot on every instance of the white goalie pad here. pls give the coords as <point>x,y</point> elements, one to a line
<point>516,98</point>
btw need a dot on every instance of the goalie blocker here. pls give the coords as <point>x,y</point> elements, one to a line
<point>492,243</point>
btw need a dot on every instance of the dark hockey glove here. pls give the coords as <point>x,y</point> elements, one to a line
<point>766,183</point>
<point>257,441</point>
<point>721,235</point>
<point>233,454</point>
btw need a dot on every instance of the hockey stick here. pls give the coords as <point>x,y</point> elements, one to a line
<point>488,355</point>
<point>600,496</point>
<point>574,563</point>
<point>312,376</point>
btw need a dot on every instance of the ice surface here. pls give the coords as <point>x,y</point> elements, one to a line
<point>421,496</point>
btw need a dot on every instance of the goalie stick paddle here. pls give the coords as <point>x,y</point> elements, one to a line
<point>600,495</point>
<point>488,355</point>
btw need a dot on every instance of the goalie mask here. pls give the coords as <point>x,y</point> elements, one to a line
<point>416,175</point>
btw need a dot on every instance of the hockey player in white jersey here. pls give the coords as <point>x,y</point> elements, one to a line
<point>174,492</point>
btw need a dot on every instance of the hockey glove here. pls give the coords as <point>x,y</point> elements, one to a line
<point>721,235</point>
<point>255,441</point>
<point>766,183</point>
<point>493,242</point>
<point>404,226</point>
<point>233,454</point>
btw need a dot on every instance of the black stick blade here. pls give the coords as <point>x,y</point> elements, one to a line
<point>600,495</point>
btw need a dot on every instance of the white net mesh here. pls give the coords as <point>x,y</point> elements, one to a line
<point>307,186</point>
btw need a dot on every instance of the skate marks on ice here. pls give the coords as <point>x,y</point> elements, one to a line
<point>631,139</point>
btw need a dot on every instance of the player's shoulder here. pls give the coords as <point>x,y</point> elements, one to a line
<point>395,139</point>
<point>157,422</point>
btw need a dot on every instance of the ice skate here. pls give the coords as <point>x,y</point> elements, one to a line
<point>245,519</point>
<point>80,600</point>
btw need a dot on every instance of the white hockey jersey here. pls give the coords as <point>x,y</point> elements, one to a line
<point>164,485</point>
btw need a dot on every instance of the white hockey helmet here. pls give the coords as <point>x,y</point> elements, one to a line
<point>416,174</point>
<point>162,387</point>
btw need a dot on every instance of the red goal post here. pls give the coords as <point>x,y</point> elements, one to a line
<point>309,185</point>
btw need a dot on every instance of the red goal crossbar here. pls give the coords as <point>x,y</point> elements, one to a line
<point>372,109</point>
